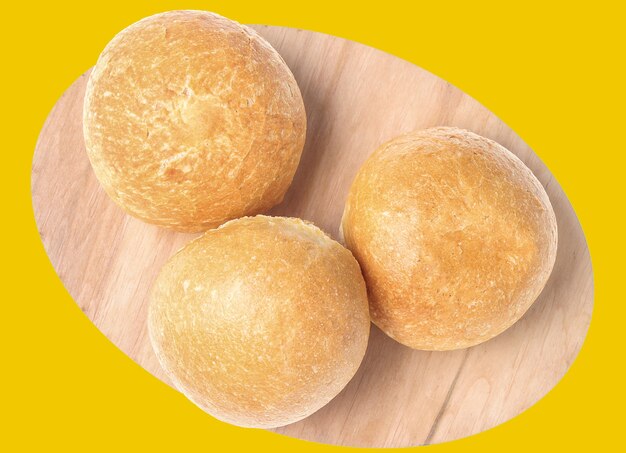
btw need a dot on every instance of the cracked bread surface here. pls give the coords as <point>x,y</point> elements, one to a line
<point>191,119</point>
<point>455,236</point>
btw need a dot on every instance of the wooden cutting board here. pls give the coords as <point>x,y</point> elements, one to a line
<point>356,98</point>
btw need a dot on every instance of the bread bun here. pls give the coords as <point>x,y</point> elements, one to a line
<point>260,322</point>
<point>455,236</point>
<point>191,119</point>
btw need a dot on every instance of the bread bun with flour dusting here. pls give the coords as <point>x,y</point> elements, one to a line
<point>260,322</point>
<point>191,119</point>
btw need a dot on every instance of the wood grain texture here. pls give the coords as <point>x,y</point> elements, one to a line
<point>356,98</point>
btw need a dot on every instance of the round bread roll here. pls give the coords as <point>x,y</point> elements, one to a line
<point>191,119</point>
<point>261,321</point>
<point>455,236</point>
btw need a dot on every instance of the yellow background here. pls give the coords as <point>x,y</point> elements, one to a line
<point>553,72</point>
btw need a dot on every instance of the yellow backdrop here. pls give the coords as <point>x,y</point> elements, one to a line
<point>553,72</point>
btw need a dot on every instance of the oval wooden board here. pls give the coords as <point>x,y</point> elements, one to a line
<point>356,98</point>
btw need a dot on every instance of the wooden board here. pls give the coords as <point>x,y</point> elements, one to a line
<point>356,98</point>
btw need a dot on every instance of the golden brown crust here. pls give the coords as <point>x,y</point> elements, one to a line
<point>191,119</point>
<point>260,322</point>
<point>455,236</point>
